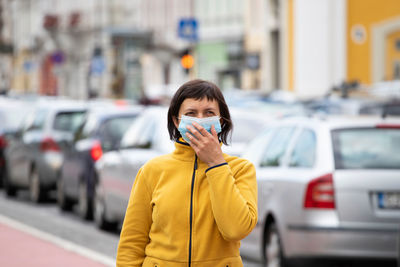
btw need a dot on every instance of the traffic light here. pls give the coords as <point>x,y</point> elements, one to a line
<point>187,60</point>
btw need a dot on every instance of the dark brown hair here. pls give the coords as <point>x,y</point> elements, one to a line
<point>199,89</point>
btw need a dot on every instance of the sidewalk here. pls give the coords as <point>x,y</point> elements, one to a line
<point>19,248</point>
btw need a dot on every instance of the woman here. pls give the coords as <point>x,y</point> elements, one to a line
<point>193,206</point>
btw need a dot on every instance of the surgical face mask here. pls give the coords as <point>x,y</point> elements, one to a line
<point>205,122</point>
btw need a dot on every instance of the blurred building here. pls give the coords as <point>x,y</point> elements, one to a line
<point>6,47</point>
<point>310,46</point>
<point>133,49</point>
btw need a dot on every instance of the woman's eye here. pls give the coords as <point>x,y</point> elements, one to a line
<point>190,114</point>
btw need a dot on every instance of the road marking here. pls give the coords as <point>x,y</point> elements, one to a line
<point>65,244</point>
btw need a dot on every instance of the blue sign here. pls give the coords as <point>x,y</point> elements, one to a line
<point>187,29</point>
<point>28,66</point>
<point>97,65</point>
<point>57,57</point>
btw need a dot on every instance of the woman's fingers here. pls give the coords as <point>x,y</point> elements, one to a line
<point>214,132</point>
<point>193,140</point>
<point>200,129</point>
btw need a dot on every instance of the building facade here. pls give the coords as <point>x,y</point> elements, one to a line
<point>310,46</point>
<point>133,49</point>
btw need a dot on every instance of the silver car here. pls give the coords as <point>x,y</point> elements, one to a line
<point>34,154</point>
<point>145,139</point>
<point>327,188</point>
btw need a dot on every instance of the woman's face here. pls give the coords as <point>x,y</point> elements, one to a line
<point>197,108</point>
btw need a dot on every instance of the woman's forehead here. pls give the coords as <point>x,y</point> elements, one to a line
<point>199,103</point>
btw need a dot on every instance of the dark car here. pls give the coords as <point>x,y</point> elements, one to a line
<point>34,154</point>
<point>101,131</point>
<point>12,113</point>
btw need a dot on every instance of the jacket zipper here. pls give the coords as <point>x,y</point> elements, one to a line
<point>191,210</point>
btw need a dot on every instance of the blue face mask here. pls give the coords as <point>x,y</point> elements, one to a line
<point>205,122</point>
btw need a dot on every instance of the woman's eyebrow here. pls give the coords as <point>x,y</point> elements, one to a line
<point>190,109</point>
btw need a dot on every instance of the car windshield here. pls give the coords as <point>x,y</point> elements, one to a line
<point>12,117</point>
<point>245,130</point>
<point>367,148</point>
<point>68,121</point>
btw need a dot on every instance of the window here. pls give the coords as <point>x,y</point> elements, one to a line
<point>367,148</point>
<point>112,130</point>
<point>303,154</point>
<point>86,129</point>
<point>68,121</point>
<point>38,121</point>
<point>245,129</point>
<point>140,134</point>
<point>276,147</point>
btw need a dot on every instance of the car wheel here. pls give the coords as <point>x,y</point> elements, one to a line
<point>64,203</point>
<point>84,202</point>
<point>273,248</point>
<point>36,191</point>
<point>100,213</point>
<point>8,186</point>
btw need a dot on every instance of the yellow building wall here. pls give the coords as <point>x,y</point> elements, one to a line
<point>365,13</point>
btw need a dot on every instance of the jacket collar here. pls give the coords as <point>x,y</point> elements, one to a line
<point>183,151</point>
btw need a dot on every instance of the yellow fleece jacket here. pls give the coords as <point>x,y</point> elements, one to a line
<point>182,213</point>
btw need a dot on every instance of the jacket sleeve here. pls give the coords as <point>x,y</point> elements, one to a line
<point>233,199</point>
<point>135,229</point>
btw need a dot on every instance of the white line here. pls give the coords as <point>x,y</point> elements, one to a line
<point>65,244</point>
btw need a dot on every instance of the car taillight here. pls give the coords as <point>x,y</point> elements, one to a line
<point>96,152</point>
<point>320,193</point>
<point>3,141</point>
<point>48,144</point>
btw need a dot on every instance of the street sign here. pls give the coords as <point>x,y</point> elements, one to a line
<point>187,29</point>
<point>97,65</point>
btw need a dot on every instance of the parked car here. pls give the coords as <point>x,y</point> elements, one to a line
<point>34,154</point>
<point>146,138</point>
<point>246,125</point>
<point>326,188</point>
<point>100,132</point>
<point>12,113</point>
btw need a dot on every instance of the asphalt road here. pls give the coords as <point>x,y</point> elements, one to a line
<point>68,227</point>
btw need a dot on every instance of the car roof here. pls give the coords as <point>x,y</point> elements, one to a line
<point>336,122</point>
<point>112,111</point>
<point>60,105</point>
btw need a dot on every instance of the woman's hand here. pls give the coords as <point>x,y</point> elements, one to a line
<point>205,145</point>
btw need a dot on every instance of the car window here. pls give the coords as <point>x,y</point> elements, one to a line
<point>367,148</point>
<point>276,147</point>
<point>245,129</point>
<point>38,120</point>
<point>86,129</point>
<point>68,121</point>
<point>15,116</point>
<point>112,130</point>
<point>140,134</point>
<point>303,154</point>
